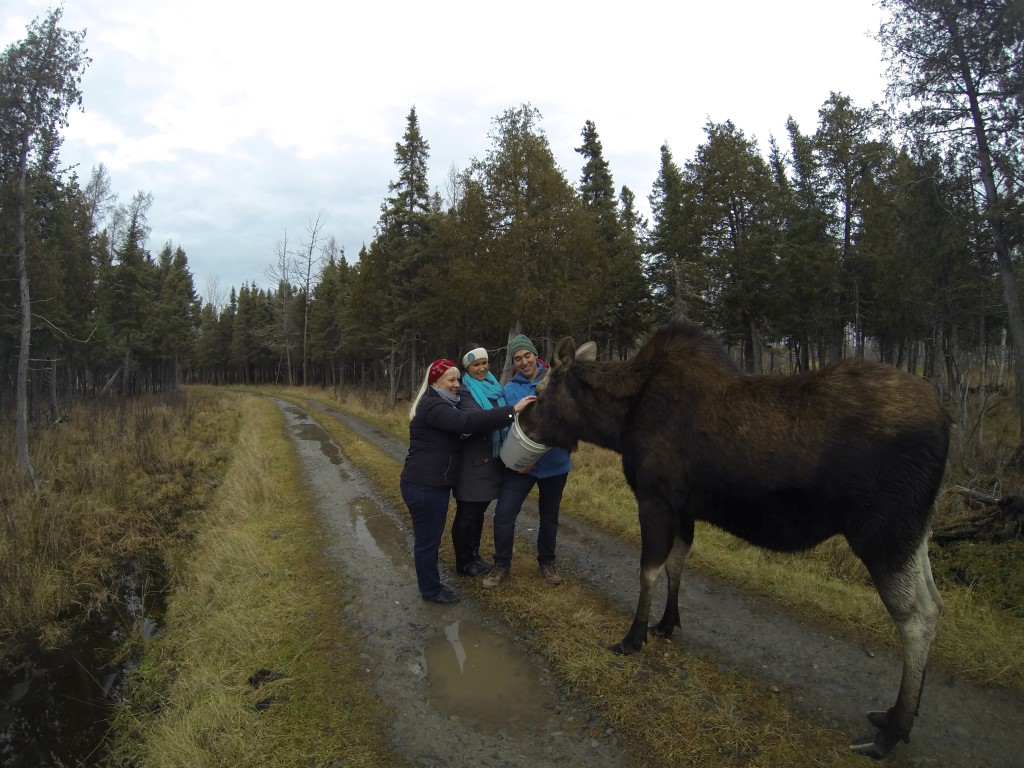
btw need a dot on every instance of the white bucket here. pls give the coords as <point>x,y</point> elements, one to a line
<point>519,452</point>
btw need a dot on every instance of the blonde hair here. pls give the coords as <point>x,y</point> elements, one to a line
<point>419,394</point>
<point>423,390</point>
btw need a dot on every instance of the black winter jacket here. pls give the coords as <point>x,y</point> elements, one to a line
<point>435,438</point>
<point>480,476</point>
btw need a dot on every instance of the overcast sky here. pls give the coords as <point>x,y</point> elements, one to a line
<point>246,121</point>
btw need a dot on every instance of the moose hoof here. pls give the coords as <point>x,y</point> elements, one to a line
<point>623,648</point>
<point>884,740</point>
<point>879,719</point>
<point>870,748</point>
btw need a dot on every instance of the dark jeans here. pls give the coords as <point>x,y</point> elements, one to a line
<point>428,507</point>
<point>515,487</point>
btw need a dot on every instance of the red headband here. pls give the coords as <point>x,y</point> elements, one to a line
<point>437,369</point>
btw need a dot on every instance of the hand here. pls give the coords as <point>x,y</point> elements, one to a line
<point>518,407</point>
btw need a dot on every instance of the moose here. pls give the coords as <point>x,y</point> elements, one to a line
<point>784,461</point>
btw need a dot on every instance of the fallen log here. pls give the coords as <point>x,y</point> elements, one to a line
<point>990,516</point>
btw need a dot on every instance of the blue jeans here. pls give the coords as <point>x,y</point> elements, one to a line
<point>515,487</point>
<point>428,507</point>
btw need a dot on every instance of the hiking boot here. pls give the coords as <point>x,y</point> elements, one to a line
<point>550,573</point>
<point>498,574</point>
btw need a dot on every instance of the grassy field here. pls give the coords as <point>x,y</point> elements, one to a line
<point>206,483</point>
<point>254,622</point>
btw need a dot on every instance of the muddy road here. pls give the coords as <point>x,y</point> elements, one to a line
<point>466,691</point>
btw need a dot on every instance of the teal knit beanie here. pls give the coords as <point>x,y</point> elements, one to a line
<point>521,342</point>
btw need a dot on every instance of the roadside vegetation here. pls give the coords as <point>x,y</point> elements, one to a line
<point>199,490</point>
<point>254,624</point>
<point>203,489</point>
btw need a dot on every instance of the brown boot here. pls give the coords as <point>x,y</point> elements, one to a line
<point>498,574</point>
<point>550,573</point>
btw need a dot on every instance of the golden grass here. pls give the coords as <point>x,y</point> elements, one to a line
<point>115,480</point>
<point>254,597</point>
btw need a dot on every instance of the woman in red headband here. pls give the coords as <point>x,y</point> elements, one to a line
<point>431,469</point>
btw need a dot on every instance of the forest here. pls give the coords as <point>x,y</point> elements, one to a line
<point>890,231</point>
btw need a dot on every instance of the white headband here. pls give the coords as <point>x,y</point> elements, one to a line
<point>473,355</point>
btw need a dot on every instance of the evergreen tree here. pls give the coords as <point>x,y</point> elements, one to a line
<point>402,245</point>
<point>961,68</point>
<point>130,296</point>
<point>848,155</point>
<point>736,217</point>
<point>40,80</point>
<point>674,243</point>
<point>326,318</point>
<point>540,235</point>
<point>618,271</point>
<point>175,316</point>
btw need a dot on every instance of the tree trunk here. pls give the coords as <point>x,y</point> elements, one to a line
<point>53,391</point>
<point>25,336</point>
<point>999,240</point>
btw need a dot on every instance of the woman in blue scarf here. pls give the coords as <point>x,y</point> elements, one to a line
<point>480,474</point>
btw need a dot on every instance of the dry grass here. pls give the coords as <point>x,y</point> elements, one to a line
<point>254,594</point>
<point>116,480</point>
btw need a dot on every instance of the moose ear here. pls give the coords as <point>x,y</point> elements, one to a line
<point>565,351</point>
<point>587,351</point>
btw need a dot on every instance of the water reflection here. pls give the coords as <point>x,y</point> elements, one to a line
<point>54,707</point>
<point>484,678</point>
<point>377,532</point>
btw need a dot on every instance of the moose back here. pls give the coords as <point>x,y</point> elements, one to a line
<point>856,449</point>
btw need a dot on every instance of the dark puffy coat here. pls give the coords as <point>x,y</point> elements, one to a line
<point>480,476</point>
<point>435,438</point>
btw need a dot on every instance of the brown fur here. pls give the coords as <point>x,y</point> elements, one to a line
<point>856,449</point>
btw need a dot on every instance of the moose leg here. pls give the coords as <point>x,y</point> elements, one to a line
<point>914,603</point>
<point>673,571</point>
<point>657,536</point>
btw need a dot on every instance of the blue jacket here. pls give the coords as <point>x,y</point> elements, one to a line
<point>556,461</point>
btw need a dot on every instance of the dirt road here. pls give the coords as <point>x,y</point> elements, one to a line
<point>465,692</point>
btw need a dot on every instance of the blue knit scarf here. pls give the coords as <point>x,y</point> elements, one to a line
<point>489,395</point>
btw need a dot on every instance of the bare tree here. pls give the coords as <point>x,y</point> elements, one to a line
<point>280,274</point>
<point>214,293</point>
<point>310,271</point>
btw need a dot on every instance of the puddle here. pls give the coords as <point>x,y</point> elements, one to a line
<point>378,533</point>
<point>55,708</point>
<point>482,677</point>
<point>316,433</point>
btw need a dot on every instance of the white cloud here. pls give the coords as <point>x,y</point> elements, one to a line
<point>245,121</point>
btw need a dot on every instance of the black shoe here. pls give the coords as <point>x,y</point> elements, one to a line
<point>473,568</point>
<point>446,595</point>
